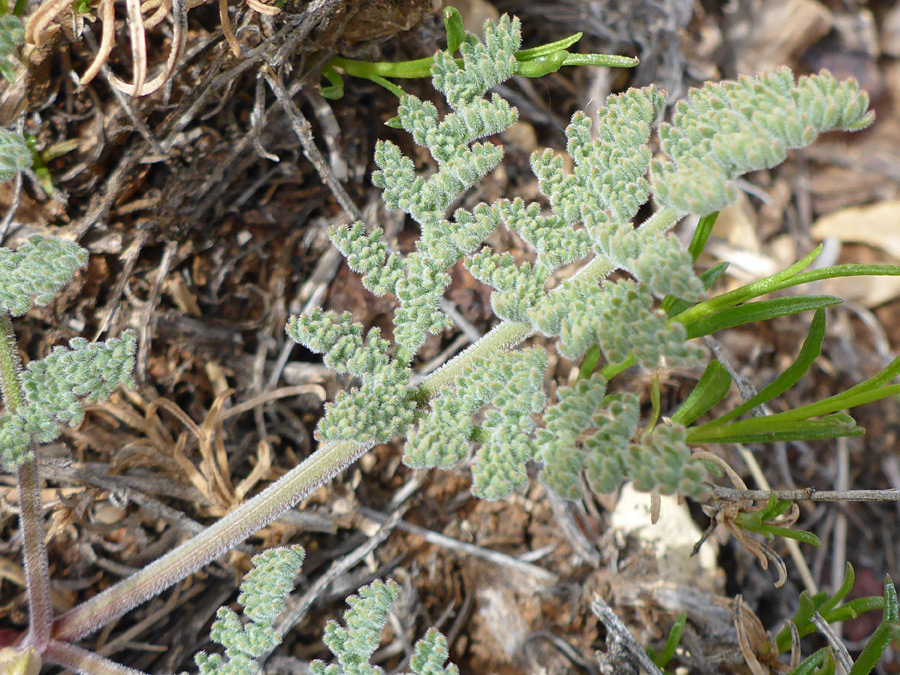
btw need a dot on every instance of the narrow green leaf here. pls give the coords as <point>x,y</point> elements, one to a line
<point>836,271</point>
<point>757,311</point>
<point>809,352</point>
<point>456,32</point>
<point>589,362</point>
<point>840,402</point>
<point>882,636</point>
<point>668,652</point>
<point>775,428</point>
<point>701,235</point>
<point>750,291</point>
<point>711,388</point>
<point>546,50</point>
<point>820,663</point>
<point>840,593</point>
<point>772,531</point>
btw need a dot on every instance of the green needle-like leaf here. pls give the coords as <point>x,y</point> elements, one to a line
<point>776,428</point>
<point>882,636</point>
<point>701,235</point>
<point>757,311</point>
<point>668,652</point>
<point>809,352</point>
<point>750,291</point>
<point>546,50</point>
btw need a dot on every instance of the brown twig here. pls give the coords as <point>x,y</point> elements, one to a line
<point>615,626</point>
<point>810,495</point>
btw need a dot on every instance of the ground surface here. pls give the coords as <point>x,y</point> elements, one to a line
<point>205,244</point>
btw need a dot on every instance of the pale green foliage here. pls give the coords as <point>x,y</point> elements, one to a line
<point>56,388</point>
<point>12,34</point>
<point>615,424</point>
<point>728,129</point>
<point>263,594</point>
<point>512,383</point>
<point>517,288</point>
<point>14,155</point>
<point>661,461</point>
<point>35,272</point>
<point>418,280</point>
<point>566,447</point>
<point>441,439</point>
<point>383,406</point>
<point>589,432</point>
<point>608,187</point>
<point>354,644</point>
<point>619,316</point>
<point>724,131</point>
<point>431,653</point>
<point>484,64</point>
<point>565,421</point>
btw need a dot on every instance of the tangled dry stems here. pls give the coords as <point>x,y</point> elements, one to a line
<point>139,18</point>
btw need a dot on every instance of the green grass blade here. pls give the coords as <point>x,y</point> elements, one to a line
<point>775,428</point>
<point>757,311</point>
<point>809,352</point>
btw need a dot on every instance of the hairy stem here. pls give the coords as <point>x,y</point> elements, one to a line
<point>251,516</point>
<point>37,570</point>
<point>84,662</point>
<point>316,470</point>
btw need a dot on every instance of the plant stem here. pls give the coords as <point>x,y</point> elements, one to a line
<point>85,662</point>
<point>37,570</point>
<point>316,470</point>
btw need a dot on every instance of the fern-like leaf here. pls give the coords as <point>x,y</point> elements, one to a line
<point>355,642</point>
<point>12,34</point>
<point>379,410</point>
<point>728,129</point>
<point>57,387</point>
<point>263,594</point>
<point>35,272</point>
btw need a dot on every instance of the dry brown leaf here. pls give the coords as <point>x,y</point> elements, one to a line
<point>876,225</point>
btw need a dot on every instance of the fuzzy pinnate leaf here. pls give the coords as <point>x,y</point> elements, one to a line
<point>517,287</point>
<point>499,466</point>
<point>485,65</point>
<point>35,272</point>
<point>376,412</point>
<point>555,243</point>
<point>355,642</point>
<point>57,387</point>
<point>565,421</point>
<point>266,587</point>
<point>358,640</point>
<point>513,384</point>
<point>661,461</point>
<point>441,439</point>
<point>728,129</point>
<point>12,34</point>
<point>605,466</point>
<point>14,153</point>
<point>263,594</point>
<point>431,653</point>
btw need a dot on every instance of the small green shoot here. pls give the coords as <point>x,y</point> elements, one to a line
<point>663,658</point>
<point>533,62</point>
<point>762,522</point>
